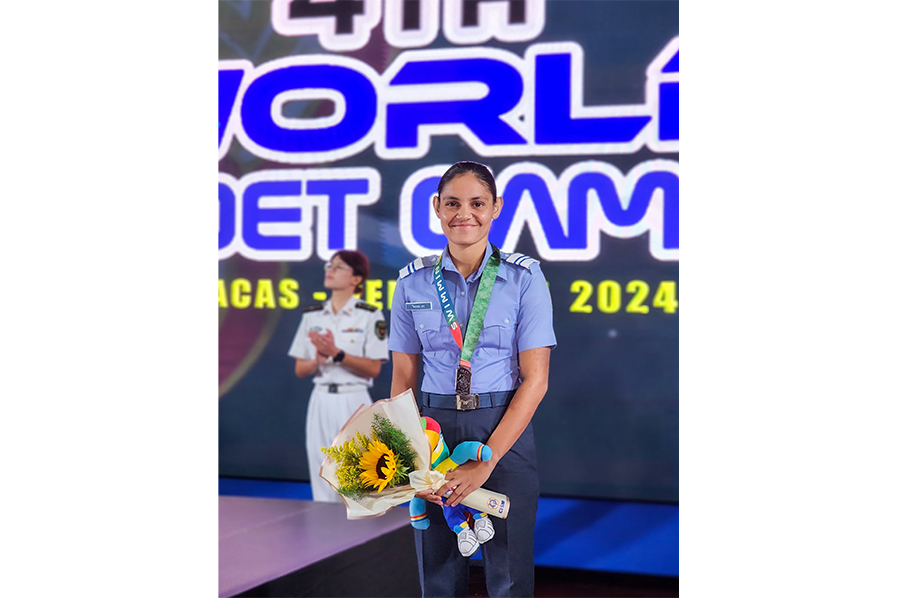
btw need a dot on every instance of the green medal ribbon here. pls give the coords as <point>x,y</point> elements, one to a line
<point>476,319</point>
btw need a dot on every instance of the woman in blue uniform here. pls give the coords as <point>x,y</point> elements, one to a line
<point>481,323</point>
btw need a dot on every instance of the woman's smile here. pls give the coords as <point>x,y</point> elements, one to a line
<point>466,208</point>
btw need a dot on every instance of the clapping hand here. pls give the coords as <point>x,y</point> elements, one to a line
<point>324,344</point>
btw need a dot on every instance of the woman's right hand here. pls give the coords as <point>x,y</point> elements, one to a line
<point>430,496</point>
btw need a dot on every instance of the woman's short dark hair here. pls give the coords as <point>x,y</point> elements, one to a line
<point>357,261</point>
<point>467,166</point>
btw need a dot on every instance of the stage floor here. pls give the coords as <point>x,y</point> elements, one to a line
<point>570,533</point>
<point>263,539</point>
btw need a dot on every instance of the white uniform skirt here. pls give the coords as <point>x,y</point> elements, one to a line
<point>325,416</point>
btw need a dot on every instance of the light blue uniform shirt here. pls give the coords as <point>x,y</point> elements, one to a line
<point>519,317</point>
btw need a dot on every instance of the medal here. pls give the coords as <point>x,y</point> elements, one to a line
<point>463,380</point>
<point>465,399</point>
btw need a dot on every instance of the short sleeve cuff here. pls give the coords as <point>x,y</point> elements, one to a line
<point>406,348</point>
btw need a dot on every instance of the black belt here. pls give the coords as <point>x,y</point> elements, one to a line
<point>451,401</point>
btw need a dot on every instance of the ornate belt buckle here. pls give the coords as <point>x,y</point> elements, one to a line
<point>467,401</point>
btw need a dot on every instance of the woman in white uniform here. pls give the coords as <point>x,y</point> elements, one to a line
<point>343,342</point>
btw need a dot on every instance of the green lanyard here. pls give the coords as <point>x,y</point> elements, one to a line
<point>476,319</point>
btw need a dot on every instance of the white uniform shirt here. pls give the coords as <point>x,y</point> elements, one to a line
<point>356,329</point>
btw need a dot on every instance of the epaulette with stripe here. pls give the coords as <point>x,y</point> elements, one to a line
<point>419,263</point>
<point>519,260</point>
<point>367,307</point>
<point>312,307</point>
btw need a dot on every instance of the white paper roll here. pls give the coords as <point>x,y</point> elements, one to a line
<point>494,504</point>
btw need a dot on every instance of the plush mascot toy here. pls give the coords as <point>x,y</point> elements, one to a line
<point>472,528</point>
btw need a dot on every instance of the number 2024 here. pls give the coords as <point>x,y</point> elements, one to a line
<point>609,296</point>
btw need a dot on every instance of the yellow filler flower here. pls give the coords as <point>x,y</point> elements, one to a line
<point>378,464</point>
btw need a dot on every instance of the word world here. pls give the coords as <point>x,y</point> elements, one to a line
<point>495,101</point>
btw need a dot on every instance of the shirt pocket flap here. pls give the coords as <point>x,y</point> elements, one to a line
<point>427,320</point>
<point>428,325</point>
<point>497,332</point>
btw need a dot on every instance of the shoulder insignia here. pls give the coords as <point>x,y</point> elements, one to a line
<point>519,259</point>
<point>367,307</point>
<point>419,263</point>
<point>313,307</point>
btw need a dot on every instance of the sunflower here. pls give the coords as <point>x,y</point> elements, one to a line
<point>378,464</point>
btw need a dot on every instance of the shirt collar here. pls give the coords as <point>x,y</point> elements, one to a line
<point>346,309</point>
<point>449,266</point>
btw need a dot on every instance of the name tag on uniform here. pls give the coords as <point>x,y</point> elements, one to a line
<point>418,306</point>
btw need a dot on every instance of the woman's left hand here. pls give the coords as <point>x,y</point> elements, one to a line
<point>466,478</point>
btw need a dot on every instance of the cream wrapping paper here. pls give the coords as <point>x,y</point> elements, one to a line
<point>401,410</point>
<point>424,480</point>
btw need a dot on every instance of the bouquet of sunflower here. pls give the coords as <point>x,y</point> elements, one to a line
<point>367,465</point>
<point>373,456</point>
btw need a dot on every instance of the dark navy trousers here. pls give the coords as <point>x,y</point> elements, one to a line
<point>509,556</point>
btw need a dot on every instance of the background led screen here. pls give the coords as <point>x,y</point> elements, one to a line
<point>335,121</point>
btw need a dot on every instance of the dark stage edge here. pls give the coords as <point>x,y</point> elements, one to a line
<point>551,582</point>
<point>272,548</point>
